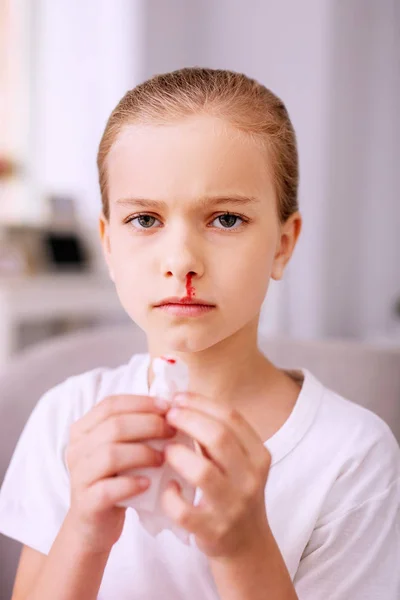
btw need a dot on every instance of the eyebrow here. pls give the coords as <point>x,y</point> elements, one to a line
<point>202,202</point>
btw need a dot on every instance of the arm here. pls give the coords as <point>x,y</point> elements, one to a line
<point>258,575</point>
<point>72,546</point>
<point>67,573</point>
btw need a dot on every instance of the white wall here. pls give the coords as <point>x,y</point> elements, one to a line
<point>87,55</point>
<point>15,110</point>
<point>363,244</point>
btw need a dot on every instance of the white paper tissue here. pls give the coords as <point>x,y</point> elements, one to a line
<point>171,375</point>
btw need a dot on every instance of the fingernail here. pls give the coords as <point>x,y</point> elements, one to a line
<point>173,413</point>
<point>143,482</point>
<point>162,403</point>
<point>179,399</point>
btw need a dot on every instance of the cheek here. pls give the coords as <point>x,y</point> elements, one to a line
<point>125,254</point>
<point>247,272</point>
<point>131,277</point>
<point>255,279</point>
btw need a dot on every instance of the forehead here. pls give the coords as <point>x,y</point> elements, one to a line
<point>197,156</point>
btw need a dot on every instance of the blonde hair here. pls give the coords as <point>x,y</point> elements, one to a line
<point>243,102</point>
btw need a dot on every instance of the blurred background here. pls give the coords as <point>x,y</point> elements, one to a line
<point>65,64</point>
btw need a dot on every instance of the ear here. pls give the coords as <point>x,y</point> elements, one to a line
<point>289,234</point>
<point>104,230</point>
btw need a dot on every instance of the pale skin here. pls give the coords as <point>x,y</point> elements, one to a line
<point>233,410</point>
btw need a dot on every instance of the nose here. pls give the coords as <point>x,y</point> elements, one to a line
<point>181,256</point>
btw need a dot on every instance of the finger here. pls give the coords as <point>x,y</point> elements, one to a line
<point>199,472</point>
<point>249,438</point>
<point>192,518</point>
<point>120,428</point>
<point>111,406</point>
<point>130,428</point>
<point>218,440</point>
<point>108,492</point>
<point>110,460</point>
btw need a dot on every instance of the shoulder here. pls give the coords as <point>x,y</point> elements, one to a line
<point>72,398</point>
<point>361,431</point>
<point>363,453</point>
<point>47,430</point>
<point>35,493</point>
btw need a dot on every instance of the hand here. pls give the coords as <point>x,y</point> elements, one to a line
<point>103,444</point>
<point>231,472</point>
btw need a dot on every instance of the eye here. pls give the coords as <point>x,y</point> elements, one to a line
<point>229,219</point>
<point>145,220</point>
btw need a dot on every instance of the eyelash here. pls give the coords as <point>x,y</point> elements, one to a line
<point>241,217</point>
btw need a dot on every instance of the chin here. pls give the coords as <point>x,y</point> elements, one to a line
<point>180,341</point>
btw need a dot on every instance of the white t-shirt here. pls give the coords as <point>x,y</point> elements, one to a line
<point>332,497</point>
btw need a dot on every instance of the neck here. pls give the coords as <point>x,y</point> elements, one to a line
<point>228,372</point>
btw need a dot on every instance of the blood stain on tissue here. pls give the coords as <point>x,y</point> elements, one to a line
<point>171,361</point>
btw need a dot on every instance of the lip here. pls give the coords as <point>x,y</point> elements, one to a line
<point>175,300</point>
<point>186,310</point>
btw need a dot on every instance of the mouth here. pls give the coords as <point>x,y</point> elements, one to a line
<point>175,301</point>
<point>186,309</point>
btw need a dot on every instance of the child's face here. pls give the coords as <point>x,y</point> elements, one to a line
<point>231,261</point>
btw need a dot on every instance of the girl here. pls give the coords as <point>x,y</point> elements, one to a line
<point>198,174</point>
